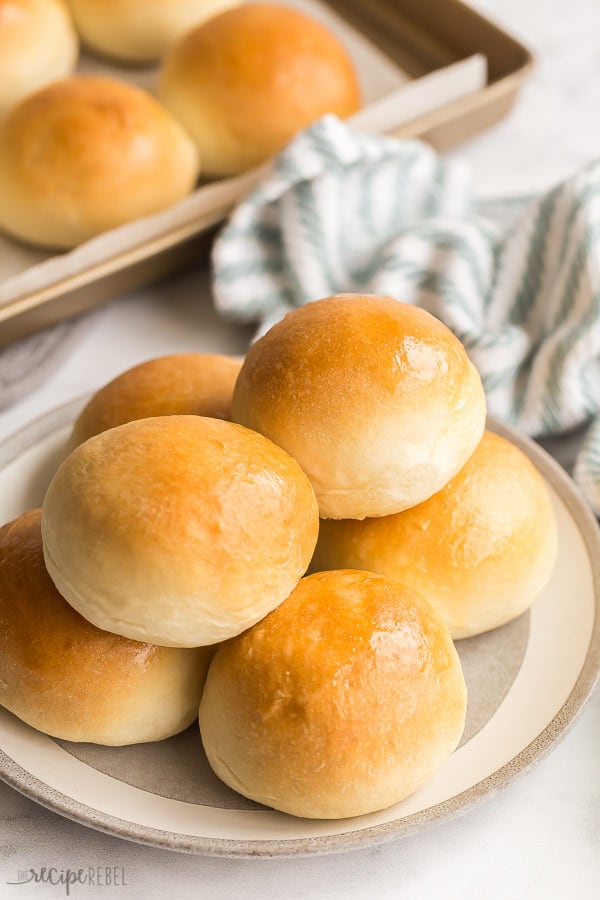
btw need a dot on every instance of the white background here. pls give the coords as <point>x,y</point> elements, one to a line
<point>539,838</point>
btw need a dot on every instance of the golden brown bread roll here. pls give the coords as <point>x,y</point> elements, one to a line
<point>198,384</point>
<point>38,44</point>
<point>246,81</point>
<point>138,31</point>
<point>179,530</point>
<point>87,154</point>
<point>67,678</point>
<point>481,549</point>
<point>342,701</point>
<point>376,399</point>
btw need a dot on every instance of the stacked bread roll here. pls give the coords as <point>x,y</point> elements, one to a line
<point>62,675</point>
<point>81,155</point>
<point>349,692</point>
<point>344,700</point>
<point>379,403</point>
<point>165,534</point>
<point>482,548</point>
<point>195,384</point>
<point>376,399</point>
<point>174,539</point>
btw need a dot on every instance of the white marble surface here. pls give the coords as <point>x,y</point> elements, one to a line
<point>539,838</point>
<point>554,128</point>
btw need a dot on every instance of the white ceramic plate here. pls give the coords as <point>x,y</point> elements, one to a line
<point>527,682</point>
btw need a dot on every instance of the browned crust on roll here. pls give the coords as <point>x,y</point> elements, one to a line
<point>376,399</point>
<point>87,154</point>
<point>68,678</point>
<point>246,81</point>
<point>481,549</point>
<point>341,702</point>
<point>199,384</point>
<point>180,530</point>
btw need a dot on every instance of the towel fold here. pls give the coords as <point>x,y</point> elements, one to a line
<point>25,364</point>
<point>517,281</point>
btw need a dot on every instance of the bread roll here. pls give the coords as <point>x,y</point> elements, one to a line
<point>179,530</point>
<point>86,154</point>
<point>38,44</point>
<point>198,384</point>
<point>481,549</point>
<point>342,701</point>
<point>376,399</point>
<point>67,678</point>
<point>246,81</point>
<point>137,31</point>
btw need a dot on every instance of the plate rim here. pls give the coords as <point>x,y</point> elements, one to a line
<point>545,741</point>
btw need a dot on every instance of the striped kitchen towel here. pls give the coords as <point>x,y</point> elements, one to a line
<point>517,281</point>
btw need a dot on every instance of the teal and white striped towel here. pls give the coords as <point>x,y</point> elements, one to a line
<point>518,283</point>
